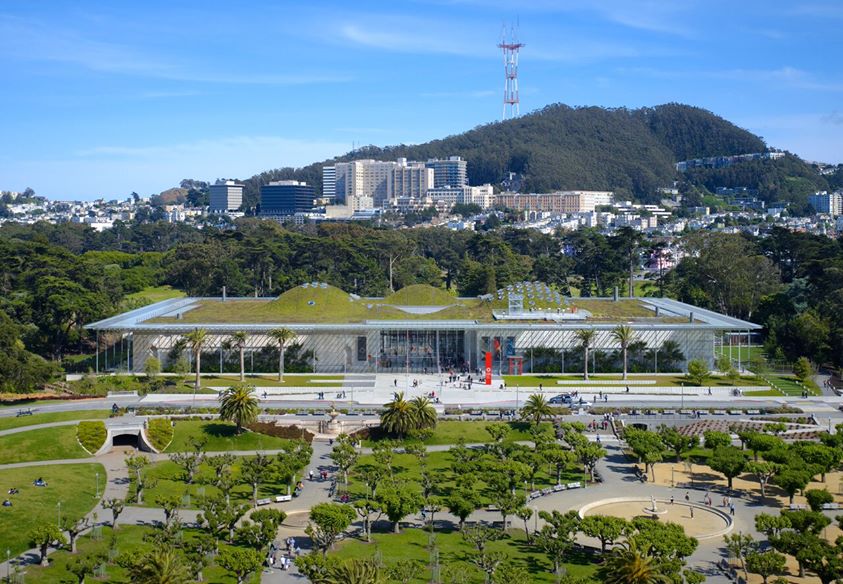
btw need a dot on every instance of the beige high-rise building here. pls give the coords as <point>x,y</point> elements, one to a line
<point>410,180</point>
<point>363,179</point>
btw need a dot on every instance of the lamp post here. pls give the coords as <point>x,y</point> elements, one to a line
<point>9,566</point>
<point>97,474</point>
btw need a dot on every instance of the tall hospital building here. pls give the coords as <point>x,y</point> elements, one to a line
<point>367,184</point>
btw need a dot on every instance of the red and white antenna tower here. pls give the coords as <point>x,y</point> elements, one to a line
<point>510,47</point>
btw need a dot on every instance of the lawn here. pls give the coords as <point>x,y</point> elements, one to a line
<point>130,541</point>
<point>297,380</point>
<point>471,432</point>
<point>414,544</point>
<point>169,482</point>
<point>155,294</point>
<point>744,353</point>
<point>49,417</point>
<point>549,381</point>
<point>72,484</point>
<point>789,385</point>
<point>43,444</point>
<point>332,305</point>
<point>221,436</point>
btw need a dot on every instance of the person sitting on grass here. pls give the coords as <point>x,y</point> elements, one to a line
<point>39,482</point>
<point>7,503</point>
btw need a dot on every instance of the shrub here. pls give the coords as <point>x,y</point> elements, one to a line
<point>160,432</point>
<point>802,368</point>
<point>91,435</point>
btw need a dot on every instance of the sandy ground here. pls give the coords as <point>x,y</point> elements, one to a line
<point>701,524</point>
<point>747,487</point>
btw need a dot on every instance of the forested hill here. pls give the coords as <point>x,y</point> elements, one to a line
<point>630,151</point>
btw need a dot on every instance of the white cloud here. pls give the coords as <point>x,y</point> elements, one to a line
<point>34,41</point>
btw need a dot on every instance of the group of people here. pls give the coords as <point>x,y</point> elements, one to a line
<point>286,560</point>
<point>323,474</point>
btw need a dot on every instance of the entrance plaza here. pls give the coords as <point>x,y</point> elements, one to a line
<point>416,331</point>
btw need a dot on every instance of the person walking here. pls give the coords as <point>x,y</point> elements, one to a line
<point>687,497</point>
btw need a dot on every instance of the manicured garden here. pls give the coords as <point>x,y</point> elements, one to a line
<point>470,432</point>
<point>43,444</point>
<point>74,485</point>
<point>168,480</point>
<point>122,544</point>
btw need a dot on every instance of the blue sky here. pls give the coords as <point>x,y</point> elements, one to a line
<point>106,98</point>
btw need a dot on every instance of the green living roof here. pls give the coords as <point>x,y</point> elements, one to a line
<point>322,303</point>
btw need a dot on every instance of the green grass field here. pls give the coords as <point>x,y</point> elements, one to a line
<point>156,294</point>
<point>49,417</point>
<point>169,482</point>
<point>744,353</point>
<point>413,544</point>
<point>450,432</point>
<point>221,436</point>
<point>130,541</point>
<point>789,385</point>
<point>297,380</point>
<point>72,484</point>
<point>43,444</point>
<point>549,381</point>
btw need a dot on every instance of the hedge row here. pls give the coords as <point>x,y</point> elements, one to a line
<point>160,432</point>
<point>91,435</point>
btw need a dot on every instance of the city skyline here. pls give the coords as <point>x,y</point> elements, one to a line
<point>106,100</point>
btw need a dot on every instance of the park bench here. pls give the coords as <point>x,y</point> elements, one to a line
<point>264,502</point>
<point>283,498</point>
<point>753,412</point>
<point>734,412</point>
<point>831,506</point>
<point>797,506</point>
<point>27,412</point>
<point>575,485</point>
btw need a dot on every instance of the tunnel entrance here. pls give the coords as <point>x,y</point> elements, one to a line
<point>132,440</point>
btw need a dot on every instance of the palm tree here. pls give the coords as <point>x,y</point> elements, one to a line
<point>628,564</point>
<point>398,416</point>
<point>163,565</point>
<point>424,414</point>
<point>585,337</point>
<point>282,337</point>
<point>238,340</point>
<point>238,404</point>
<point>623,335</point>
<point>536,408</point>
<point>196,339</point>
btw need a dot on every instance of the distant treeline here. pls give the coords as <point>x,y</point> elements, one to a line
<point>56,278</point>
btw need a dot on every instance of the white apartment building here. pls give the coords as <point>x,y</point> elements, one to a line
<point>225,196</point>
<point>447,196</point>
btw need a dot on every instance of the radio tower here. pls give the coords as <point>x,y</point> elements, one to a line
<point>510,50</point>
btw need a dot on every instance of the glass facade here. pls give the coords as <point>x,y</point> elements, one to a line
<point>420,351</point>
